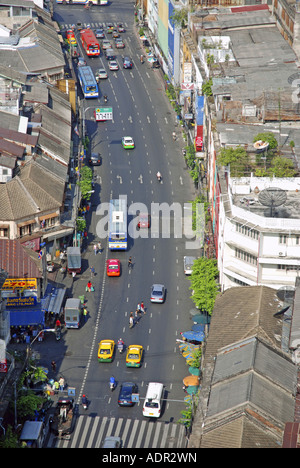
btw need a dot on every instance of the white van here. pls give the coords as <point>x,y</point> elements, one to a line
<point>153,400</point>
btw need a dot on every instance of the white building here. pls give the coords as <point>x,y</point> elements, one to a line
<point>259,242</point>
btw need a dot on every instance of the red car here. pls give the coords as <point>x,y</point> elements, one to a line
<point>113,267</point>
<point>144,220</point>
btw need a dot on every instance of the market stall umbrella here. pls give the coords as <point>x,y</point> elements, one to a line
<point>192,390</point>
<point>194,336</point>
<point>198,327</point>
<point>194,370</point>
<point>201,318</point>
<point>192,380</point>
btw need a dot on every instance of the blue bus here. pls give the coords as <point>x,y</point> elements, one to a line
<point>88,82</point>
<point>118,224</point>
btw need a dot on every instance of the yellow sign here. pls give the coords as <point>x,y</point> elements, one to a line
<point>19,283</point>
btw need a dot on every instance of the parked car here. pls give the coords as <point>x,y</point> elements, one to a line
<point>95,159</point>
<point>127,63</point>
<point>125,394</point>
<point>188,262</point>
<point>81,62</point>
<point>158,293</point>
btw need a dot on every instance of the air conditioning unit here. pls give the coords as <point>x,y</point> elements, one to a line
<point>282,254</point>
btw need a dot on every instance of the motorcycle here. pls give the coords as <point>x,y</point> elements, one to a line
<point>112,384</point>
<point>120,347</point>
<point>84,402</point>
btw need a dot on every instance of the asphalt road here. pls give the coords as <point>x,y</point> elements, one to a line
<point>142,111</point>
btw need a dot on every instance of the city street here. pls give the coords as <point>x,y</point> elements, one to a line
<point>140,110</point>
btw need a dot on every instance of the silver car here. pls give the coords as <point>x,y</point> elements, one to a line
<point>112,442</point>
<point>158,293</point>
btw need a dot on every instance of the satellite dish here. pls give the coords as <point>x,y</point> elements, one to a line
<point>272,197</point>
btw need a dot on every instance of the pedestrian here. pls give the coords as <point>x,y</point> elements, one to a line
<point>61,384</point>
<point>89,287</point>
<point>99,247</point>
<point>53,365</point>
<point>131,320</point>
<point>143,307</point>
<point>85,312</point>
<point>92,269</point>
<point>95,249</point>
<point>130,262</point>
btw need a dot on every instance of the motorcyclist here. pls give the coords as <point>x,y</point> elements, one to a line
<point>142,59</point>
<point>112,382</point>
<point>158,175</point>
<point>84,400</point>
<point>105,98</point>
<point>121,342</point>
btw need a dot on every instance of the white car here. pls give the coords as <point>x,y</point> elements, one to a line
<point>101,74</point>
<point>106,44</point>
<point>127,142</point>
<point>158,293</point>
<point>113,65</point>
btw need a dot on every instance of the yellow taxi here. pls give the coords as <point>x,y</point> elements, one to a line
<point>134,356</point>
<point>106,350</point>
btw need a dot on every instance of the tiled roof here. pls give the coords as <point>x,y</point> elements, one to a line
<point>15,260</point>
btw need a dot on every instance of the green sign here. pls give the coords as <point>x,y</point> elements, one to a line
<point>104,113</point>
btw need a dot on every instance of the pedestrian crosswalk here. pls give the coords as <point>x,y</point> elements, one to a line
<point>90,432</point>
<point>93,25</point>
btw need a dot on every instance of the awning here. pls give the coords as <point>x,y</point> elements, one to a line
<point>26,317</point>
<point>194,336</point>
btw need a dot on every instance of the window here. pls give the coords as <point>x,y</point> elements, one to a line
<point>245,256</point>
<point>282,238</point>
<point>246,231</point>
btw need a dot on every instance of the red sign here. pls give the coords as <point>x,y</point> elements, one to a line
<point>3,366</point>
<point>199,138</point>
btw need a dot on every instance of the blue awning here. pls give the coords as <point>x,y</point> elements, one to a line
<point>194,335</point>
<point>26,317</point>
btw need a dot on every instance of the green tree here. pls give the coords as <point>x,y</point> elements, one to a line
<point>204,283</point>
<point>282,167</point>
<point>237,158</point>
<point>207,87</point>
<point>267,136</point>
<point>27,404</point>
<point>10,440</point>
<point>179,17</point>
<point>85,182</point>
